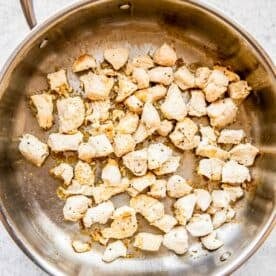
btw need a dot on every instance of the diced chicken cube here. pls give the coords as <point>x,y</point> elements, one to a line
<point>141,77</point>
<point>44,106</point>
<point>58,82</point>
<point>174,106</point>
<point>220,199</point>
<point>111,174</point>
<point>33,149</point>
<point>126,88</point>
<point>165,128</point>
<point>150,117</point>
<point>99,111</point>
<point>142,133</point>
<point>98,214</point>
<point>96,87</point>
<point>211,168</point>
<point>222,112</point>
<point>117,57</point>
<point>106,128</point>
<point>177,186</point>
<point>84,174</point>
<point>165,56</point>
<point>124,224</point>
<point>147,241</point>
<point>169,166</point>
<point>208,135</point>
<point>134,104</point>
<point>137,162</point>
<point>211,242</point>
<point>142,182</point>
<point>71,114</point>
<point>158,189</point>
<point>75,207</point>
<point>144,62</point>
<point>184,135</point>
<point>200,225</point>
<point>239,90</point>
<point>203,199</point>
<point>201,76</point>
<point>184,208</point>
<point>78,189</point>
<point>177,240</point>
<point>63,171</point>
<point>158,154</point>
<point>231,136</point>
<point>229,74</point>
<point>80,246</point>
<point>162,75</point>
<point>197,104</point>
<point>219,218</point>
<point>165,224</point>
<point>244,154</point>
<point>233,173</point>
<point>211,151</point>
<point>64,142</point>
<point>235,193</point>
<point>114,250</point>
<point>128,124</point>
<point>84,62</point>
<point>123,143</point>
<point>148,207</point>
<point>184,78</point>
<point>152,94</point>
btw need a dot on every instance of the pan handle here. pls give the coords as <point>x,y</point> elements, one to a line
<point>28,10</point>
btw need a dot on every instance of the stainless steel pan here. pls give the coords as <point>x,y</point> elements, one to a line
<point>30,209</point>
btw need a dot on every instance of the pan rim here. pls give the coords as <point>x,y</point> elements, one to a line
<point>12,229</point>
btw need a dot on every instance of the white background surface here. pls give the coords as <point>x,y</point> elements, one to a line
<point>257,16</point>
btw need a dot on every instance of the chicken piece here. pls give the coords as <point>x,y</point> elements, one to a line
<point>106,128</point>
<point>98,214</point>
<point>80,246</point>
<point>142,133</point>
<point>219,218</point>
<point>64,142</point>
<point>158,154</point>
<point>203,199</point>
<point>78,189</point>
<point>222,112</point>
<point>229,74</point>
<point>162,75</point>
<point>99,111</point>
<point>84,62</point>
<point>200,225</point>
<point>97,146</point>
<point>239,90</point>
<point>141,77</point>
<point>201,76</point>
<point>174,106</point>
<point>117,57</point>
<point>177,186</point>
<point>152,94</point>
<point>244,154</point>
<point>184,78</point>
<point>75,207</point>
<point>128,124</point>
<point>165,128</point>
<point>148,207</point>
<point>211,151</point>
<point>184,208</point>
<point>165,224</point>
<point>96,87</point>
<point>208,135</point>
<point>220,199</point>
<point>216,86</point>
<point>177,240</point>
<point>134,104</point>
<point>144,62</point>
<point>114,250</point>
<point>233,172</point>
<point>124,224</point>
<point>84,174</point>
<point>147,241</point>
<point>44,106</point>
<point>58,82</point>
<point>71,114</point>
<point>64,172</point>
<point>184,135</point>
<point>137,162</point>
<point>211,168</point>
<point>158,189</point>
<point>211,242</point>
<point>126,88</point>
<point>33,149</point>
<point>104,192</point>
<point>123,144</point>
<point>197,104</point>
<point>142,182</point>
<point>169,166</point>
<point>165,56</point>
<point>150,117</point>
<point>111,174</point>
<point>231,136</point>
<point>235,193</point>
<point>230,214</point>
